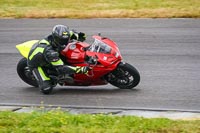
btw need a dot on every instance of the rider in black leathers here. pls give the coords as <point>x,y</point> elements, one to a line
<point>46,53</point>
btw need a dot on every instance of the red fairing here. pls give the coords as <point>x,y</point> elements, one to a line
<point>108,58</point>
<point>75,53</point>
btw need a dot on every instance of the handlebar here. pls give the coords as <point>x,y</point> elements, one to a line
<point>92,60</point>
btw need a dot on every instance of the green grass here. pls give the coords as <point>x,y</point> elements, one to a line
<point>63,122</point>
<point>99,8</point>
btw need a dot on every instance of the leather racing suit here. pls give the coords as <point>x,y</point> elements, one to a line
<point>44,54</point>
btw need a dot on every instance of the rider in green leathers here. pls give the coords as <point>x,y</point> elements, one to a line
<point>46,53</point>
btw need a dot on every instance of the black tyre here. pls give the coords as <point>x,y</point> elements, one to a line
<point>25,74</point>
<point>125,76</point>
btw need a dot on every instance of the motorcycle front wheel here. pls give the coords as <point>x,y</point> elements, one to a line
<point>125,76</point>
<point>25,74</point>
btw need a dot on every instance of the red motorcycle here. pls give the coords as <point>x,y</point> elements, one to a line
<point>102,56</point>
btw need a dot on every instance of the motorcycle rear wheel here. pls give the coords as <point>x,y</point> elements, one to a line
<point>125,76</point>
<point>25,74</point>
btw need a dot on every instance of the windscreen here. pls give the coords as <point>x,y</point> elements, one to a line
<point>99,46</point>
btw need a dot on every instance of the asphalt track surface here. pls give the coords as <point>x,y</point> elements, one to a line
<point>166,52</point>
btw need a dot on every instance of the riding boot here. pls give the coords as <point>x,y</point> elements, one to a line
<point>44,82</point>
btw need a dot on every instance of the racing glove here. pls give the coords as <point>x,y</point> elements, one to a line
<point>81,36</point>
<point>71,69</point>
<point>83,70</point>
<point>66,70</point>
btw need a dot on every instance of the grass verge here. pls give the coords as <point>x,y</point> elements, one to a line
<point>100,9</point>
<point>63,122</point>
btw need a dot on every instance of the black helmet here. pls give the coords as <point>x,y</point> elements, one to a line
<point>60,36</point>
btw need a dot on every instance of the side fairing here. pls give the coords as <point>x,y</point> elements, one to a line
<point>24,48</point>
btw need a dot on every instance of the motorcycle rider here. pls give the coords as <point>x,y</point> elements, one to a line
<point>46,53</point>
